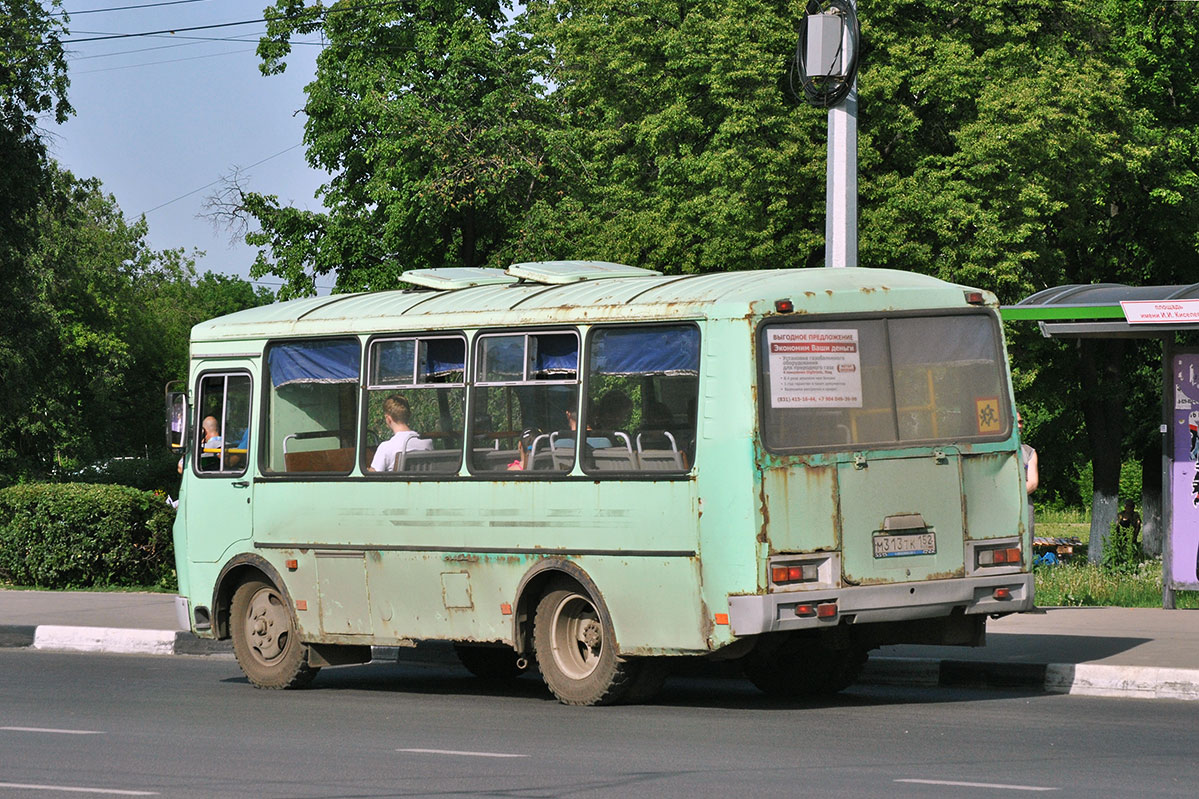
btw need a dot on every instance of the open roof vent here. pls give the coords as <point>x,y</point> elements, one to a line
<point>456,277</point>
<point>561,272</point>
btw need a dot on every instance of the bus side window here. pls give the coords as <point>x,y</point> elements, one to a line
<point>312,405</point>
<point>415,406</point>
<point>222,424</point>
<point>525,397</point>
<point>643,388</point>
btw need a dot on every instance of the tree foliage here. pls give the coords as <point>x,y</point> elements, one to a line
<point>1011,146</point>
<point>110,322</point>
<point>427,118</point>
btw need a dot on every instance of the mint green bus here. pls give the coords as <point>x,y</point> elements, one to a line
<point>596,470</point>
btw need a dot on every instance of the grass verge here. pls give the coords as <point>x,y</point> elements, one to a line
<point>1080,583</point>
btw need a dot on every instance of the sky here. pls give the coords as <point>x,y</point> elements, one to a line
<point>161,119</point>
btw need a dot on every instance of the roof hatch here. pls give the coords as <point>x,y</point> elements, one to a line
<point>561,272</point>
<point>457,277</point>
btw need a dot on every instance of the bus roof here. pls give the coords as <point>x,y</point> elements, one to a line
<point>614,298</point>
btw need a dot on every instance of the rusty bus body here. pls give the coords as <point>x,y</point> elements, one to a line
<point>609,469</point>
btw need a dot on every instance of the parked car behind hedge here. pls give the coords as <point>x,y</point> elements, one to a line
<point>79,535</point>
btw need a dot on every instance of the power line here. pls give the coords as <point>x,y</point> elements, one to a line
<point>164,31</point>
<point>192,40</point>
<point>164,61</point>
<point>218,180</point>
<point>171,31</point>
<point>124,8</point>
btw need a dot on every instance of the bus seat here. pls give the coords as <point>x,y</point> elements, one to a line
<point>320,460</point>
<point>445,461</point>
<point>613,459</point>
<point>662,460</point>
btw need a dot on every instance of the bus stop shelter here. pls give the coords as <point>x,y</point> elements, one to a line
<point>1111,310</point>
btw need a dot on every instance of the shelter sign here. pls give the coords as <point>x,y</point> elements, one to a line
<point>1160,312</point>
<point>814,368</point>
<point>1183,540</point>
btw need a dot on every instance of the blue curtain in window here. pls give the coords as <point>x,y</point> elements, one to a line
<point>646,351</point>
<point>556,355</point>
<point>445,356</point>
<point>313,362</point>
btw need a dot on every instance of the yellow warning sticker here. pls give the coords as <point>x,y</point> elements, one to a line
<point>986,414</point>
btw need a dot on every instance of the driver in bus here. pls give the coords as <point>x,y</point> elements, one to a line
<point>396,413</point>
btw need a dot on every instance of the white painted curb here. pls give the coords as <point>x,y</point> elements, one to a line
<point>1144,682</point>
<point>105,639</point>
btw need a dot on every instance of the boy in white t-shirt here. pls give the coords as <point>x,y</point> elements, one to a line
<point>397,413</point>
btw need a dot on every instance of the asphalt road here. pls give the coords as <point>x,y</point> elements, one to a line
<point>106,725</point>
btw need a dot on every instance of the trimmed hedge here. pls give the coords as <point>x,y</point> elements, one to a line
<point>78,535</point>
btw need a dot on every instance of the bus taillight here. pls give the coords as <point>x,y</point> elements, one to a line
<point>795,573</point>
<point>999,556</point>
<point>822,610</point>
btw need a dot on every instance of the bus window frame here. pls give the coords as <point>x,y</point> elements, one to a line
<point>366,385</point>
<point>192,447</point>
<point>474,366</point>
<point>585,392</point>
<point>1000,353</point>
<point>264,401</point>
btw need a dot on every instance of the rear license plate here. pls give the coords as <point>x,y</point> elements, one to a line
<point>894,546</point>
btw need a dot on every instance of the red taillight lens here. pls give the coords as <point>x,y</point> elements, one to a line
<point>779,574</point>
<point>826,610</point>
<point>1008,556</point>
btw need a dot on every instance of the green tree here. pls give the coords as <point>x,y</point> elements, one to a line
<point>689,153</point>
<point>427,118</point>
<point>33,84</point>
<point>114,321</point>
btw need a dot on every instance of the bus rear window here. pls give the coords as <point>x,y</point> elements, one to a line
<point>849,383</point>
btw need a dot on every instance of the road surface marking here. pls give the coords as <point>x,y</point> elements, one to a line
<point>1000,786</point>
<point>69,789</point>
<point>456,752</point>
<point>57,732</point>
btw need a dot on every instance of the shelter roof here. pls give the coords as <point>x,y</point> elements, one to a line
<point>1109,310</point>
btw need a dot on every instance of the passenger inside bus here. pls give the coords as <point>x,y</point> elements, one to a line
<point>396,414</point>
<point>210,455</point>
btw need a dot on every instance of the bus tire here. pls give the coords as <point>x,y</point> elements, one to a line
<point>490,662</point>
<point>803,667</point>
<point>576,649</point>
<point>265,642</point>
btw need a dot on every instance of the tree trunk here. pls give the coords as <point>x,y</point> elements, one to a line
<point>1103,410</point>
<point>1152,532</point>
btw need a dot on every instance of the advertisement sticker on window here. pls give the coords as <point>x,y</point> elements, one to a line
<point>814,368</point>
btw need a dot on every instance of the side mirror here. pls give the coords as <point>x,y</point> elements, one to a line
<point>176,417</point>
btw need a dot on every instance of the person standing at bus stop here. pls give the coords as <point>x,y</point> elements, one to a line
<point>1032,475</point>
<point>397,413</point>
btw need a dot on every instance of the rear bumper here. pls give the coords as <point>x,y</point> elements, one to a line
<point>766,613</point>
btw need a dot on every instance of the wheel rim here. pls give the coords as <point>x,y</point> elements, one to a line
<point>577,638</point>
<point>267,625</point>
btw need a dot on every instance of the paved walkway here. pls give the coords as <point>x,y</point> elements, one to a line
<point>1133,652</point>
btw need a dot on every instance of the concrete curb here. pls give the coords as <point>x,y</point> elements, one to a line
<point>109,640</point>
<point>1082,679</point>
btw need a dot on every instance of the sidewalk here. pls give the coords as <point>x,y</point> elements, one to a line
<point>1133,652</point>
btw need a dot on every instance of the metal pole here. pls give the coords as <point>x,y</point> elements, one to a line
<point>1167,493</point>
<point>841,192</point>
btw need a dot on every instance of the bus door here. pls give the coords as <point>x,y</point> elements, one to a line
<point>219,491</point>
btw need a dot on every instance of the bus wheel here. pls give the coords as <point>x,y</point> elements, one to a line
<point>576,650</point>
<point>803,667</point>
<point>264,638</point>
<point>490,662</point>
